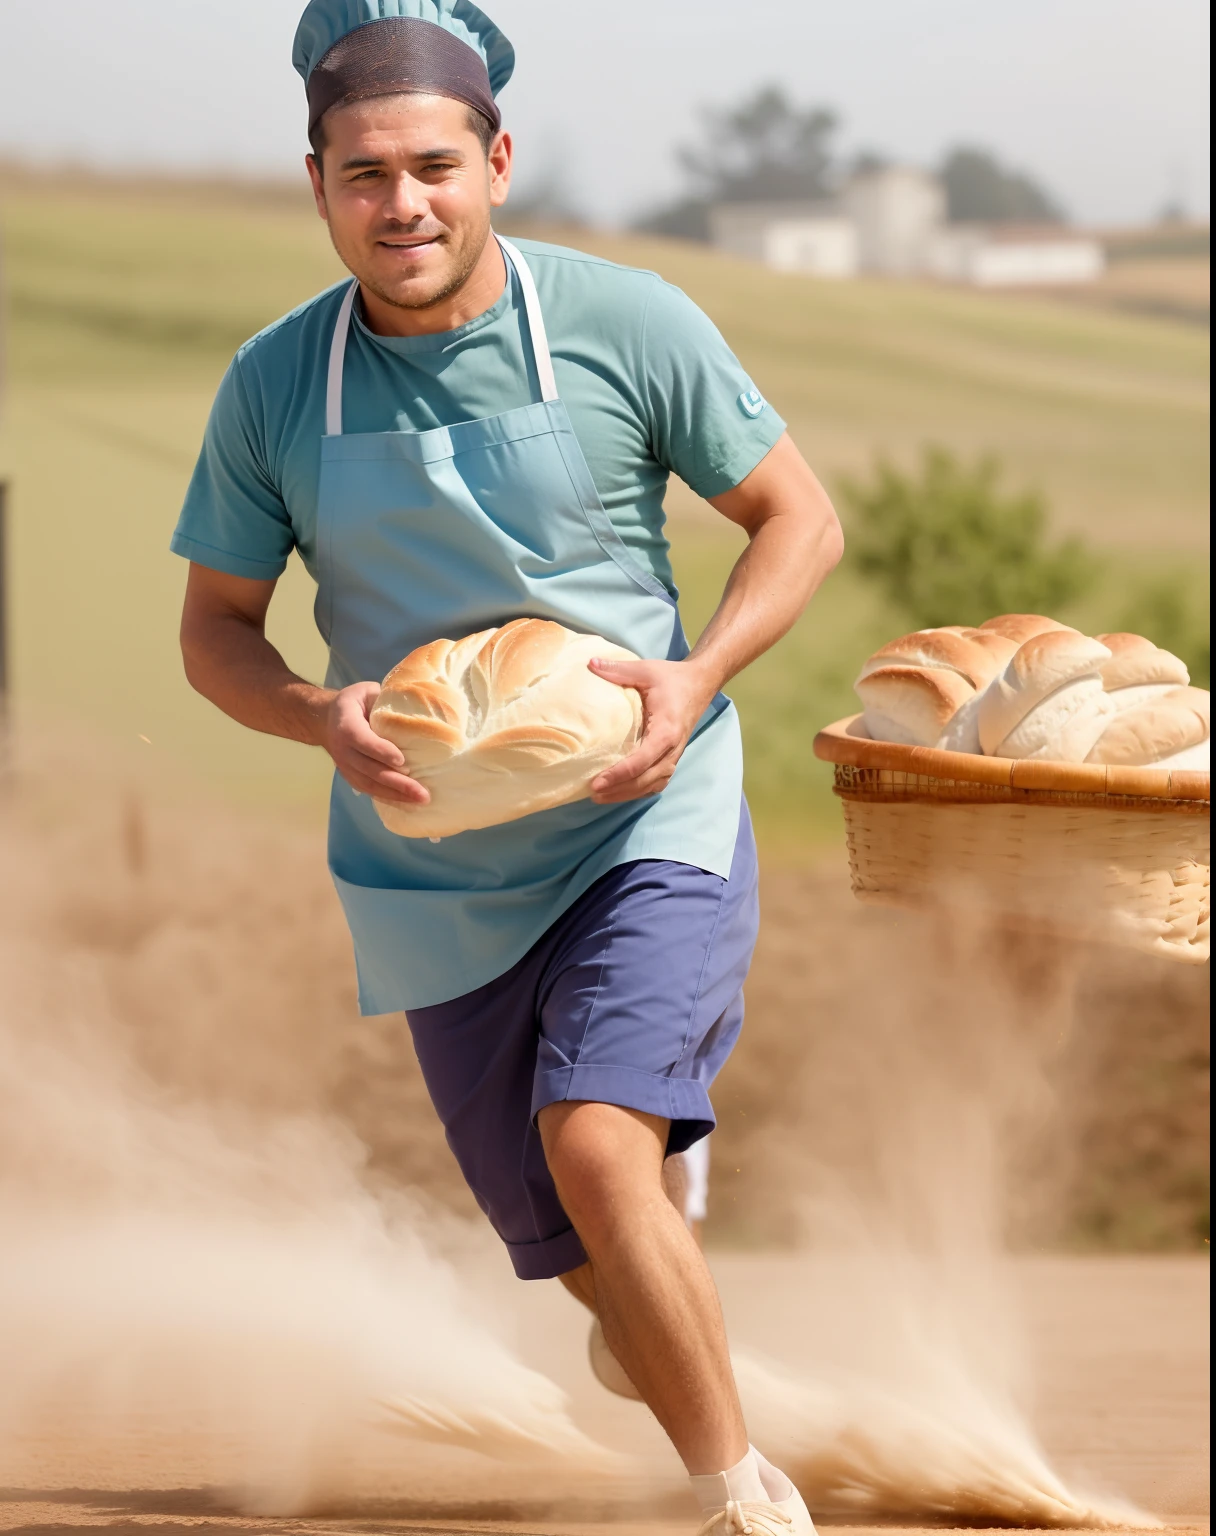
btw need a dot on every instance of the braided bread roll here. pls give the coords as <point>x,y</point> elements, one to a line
<point>1049,702</point>
<point>1172,730</point>
<point>1139,671</point>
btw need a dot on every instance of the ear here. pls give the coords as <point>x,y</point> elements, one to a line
<point>500,160</point>
<point>316,176</point>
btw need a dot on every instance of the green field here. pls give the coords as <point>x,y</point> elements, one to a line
<point>124,304</point>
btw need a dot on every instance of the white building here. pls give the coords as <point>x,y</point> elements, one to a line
<point>893,221</point>
<point>789,237</point>
<point>1013,256</point>
<point>897,210</point>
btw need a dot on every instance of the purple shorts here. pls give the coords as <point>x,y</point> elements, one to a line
<point>634,997</point>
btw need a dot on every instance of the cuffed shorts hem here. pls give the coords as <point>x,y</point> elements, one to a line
<point>634,997</point>
<point>550,1257</point>
<point>681,1100</point>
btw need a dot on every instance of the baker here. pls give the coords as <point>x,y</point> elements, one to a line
<point>463,433</point>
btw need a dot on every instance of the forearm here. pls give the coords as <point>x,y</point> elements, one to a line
<point>789,555</point>
<point>229,660</point>
<point>794,541</point>
<point>771,584</point>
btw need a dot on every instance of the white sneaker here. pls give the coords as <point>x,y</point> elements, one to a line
<point>607,1369</point>
<point>787,1517</point>
<point>778,1511</point>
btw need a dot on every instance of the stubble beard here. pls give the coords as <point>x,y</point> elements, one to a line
<point>465,257</point>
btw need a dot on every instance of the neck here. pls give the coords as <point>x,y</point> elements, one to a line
<point>480,291</point>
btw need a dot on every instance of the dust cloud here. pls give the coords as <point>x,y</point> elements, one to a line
<point>198,1239</point>
<point>190,1238</point>
<point>920,1129</point>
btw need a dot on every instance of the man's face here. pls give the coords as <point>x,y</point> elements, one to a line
<point>406,190</point>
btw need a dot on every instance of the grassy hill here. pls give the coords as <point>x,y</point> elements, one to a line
<point>124,303</point>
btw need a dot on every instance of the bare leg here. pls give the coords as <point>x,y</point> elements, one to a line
<point>646,1280</point>
<point>675,1183</point>
<point>580,1282</point>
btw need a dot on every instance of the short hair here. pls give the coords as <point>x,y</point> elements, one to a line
<point>476,122</point>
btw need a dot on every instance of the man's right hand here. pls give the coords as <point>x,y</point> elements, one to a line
<point>367,762</point>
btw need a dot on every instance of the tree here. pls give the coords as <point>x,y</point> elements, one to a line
<point>766,149</point>
<point>947,547</point>
<point>979,188</point>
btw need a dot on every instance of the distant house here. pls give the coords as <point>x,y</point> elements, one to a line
<point>892,220</point>
<point>789,237</point>
<point>1015,256</point>
<point>897,211</point>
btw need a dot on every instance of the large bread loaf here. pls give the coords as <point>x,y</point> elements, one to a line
<point>501,724</point>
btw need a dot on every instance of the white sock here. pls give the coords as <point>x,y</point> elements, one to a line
<point>777,1486</point>
<point>742,1483</point>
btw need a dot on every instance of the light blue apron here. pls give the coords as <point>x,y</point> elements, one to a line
<point>423,535</point>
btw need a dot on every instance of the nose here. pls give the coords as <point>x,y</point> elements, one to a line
<point>406,200</point>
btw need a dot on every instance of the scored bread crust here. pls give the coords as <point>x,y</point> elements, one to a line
<point>1022,626</point>
<point>976,655</point>
<point>503,723</point>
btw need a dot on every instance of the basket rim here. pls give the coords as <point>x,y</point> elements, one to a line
<point>836,743</point>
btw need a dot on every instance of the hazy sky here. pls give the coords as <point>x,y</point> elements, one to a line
<point>1105,100</point>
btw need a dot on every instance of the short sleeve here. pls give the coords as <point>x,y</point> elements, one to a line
<point>711,425</point>
<point>234,518</point>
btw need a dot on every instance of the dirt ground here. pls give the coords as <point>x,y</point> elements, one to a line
<point>204,1155</point>
<point>1120,1350</point>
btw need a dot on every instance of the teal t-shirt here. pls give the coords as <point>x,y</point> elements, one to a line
<point>650,386</point>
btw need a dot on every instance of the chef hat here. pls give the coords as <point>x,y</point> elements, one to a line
<point>348,50</point>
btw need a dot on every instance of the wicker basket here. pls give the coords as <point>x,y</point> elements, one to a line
<point>1111,853</point>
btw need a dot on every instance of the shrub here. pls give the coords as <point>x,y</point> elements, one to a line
<point>947,546</point>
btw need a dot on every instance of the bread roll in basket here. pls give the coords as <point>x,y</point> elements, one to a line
<point>503,723</point>
<point>1061,787</point>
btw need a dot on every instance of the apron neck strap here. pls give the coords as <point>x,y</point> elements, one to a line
<point>337,356</point>
<point>536,329</point>
<point>536,321</point>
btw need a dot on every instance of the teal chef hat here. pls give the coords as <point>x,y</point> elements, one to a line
<point>347,50</point>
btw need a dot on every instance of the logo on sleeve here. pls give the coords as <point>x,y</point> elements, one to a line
<point>752,402</point>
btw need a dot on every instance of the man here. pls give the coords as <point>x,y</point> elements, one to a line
<point>465,434</point>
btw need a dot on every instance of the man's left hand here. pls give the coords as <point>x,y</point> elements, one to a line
<point>675,694</point>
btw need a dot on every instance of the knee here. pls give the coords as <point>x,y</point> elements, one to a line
<point>605,1160</point>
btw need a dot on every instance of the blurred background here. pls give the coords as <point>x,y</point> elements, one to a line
<point>964,251</point>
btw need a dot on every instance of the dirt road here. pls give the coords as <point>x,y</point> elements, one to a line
<point>1120,1358</point>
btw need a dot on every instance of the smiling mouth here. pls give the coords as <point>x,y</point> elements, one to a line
<point>409,245</point>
